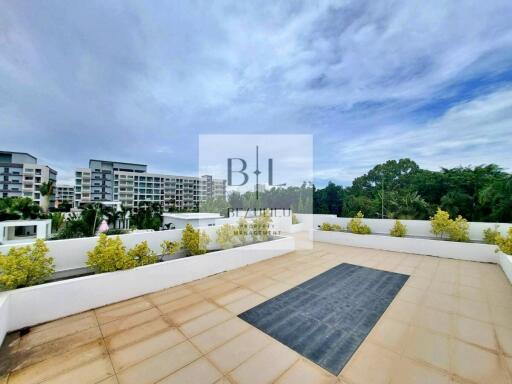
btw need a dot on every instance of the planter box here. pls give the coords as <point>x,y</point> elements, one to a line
<point>29,306</point>
<point>430,247</point>
<point>294,228</point>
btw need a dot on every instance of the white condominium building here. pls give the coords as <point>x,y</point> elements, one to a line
<point>20,175</point>
<point>64,192</point>
<point>133,186</point>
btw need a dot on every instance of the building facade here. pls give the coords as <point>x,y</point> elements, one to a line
<point>21,175</point>
<point>133,186</point>
<point>64,192</point>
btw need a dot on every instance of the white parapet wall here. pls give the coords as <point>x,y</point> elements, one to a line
<point>419,228</point>
<point>430,247</point>
<point>29,306</point>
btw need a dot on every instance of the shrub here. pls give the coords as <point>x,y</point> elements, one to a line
<point>490,234</point>
<point>25,266</point>
<point>459,229</point>
<point>170,247</point>
<point>242,230</point>
<point>440,223</point>
<point>141,254</point>
<point>336,228</point>
<point>398,230</point>
<point>260,228</point>
<point>194,241</point>
<point>109,255</point>
<point>505,243</point>
<point>226,236</point>
<point>326,227</point>
<point>295,219</point>
<point>356,225</point>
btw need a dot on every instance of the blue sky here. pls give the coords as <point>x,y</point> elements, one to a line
<point>371,80</point>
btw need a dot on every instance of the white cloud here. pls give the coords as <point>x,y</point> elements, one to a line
<point>472,133</point>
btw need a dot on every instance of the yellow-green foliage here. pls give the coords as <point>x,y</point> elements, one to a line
<point>356,225</point>
<point>295,220</point>
<point>142,254</point>
<point>25,266</point>
<point>336,228</point>
<point>398,230</point>
<point>109,255</point>
<point>326,227</point>
<point>194,241</point>
<point>170,247</point>
<point>440,223</point>
<point>504,243</point>
<point>490,234</point>
<point>459,229</point>
<point>226,236</point>
<point>260,228</point>
<point>242,230</point>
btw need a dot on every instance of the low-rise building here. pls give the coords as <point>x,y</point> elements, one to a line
<point>21,175</point>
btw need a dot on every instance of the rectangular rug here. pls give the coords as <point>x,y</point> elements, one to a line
<point>326,318</point>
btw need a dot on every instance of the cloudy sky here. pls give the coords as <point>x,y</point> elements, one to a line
<point>370,80</point>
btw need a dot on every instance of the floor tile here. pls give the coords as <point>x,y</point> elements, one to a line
<point>185,314</point>
<point>54,366</point>
<point>200,371</point>
<point>118,312</point>
<point>371,364</point>
<point>204,322</point>
<point>218,335</point>
<point>429,347</point>
<point>233,353</point>
<point>159,366</point>
<point>129,321</point>
<point>265,366</point>
<point>391,334</point>
<point>134,353</point>
<point>412,372</point>
<point>304,372</point>
<point>89,373</point>
<point>475,332</point>
<point>33,339</point>
<point>135,334</point>
<point>476,364</point>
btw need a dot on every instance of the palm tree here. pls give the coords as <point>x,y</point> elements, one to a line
<point>125,214</point>
<point>112,215</point>
<point>46,190</point>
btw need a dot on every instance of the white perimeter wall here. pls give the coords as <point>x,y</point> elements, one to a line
<point>29,306</point>
<point>414,227</point>
<point>72,253</point>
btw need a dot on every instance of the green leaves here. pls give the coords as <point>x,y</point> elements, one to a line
<point>442,225</point>
<point>356,225</point>
<point>505,243</point>
<point>398,230</point>
<point>110,255</point>
<point>25,266</point>
<point>194,241</point>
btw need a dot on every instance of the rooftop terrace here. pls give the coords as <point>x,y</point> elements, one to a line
<point>450,323</point>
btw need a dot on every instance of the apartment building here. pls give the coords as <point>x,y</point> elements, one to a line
<point>64,192</point>
<point>133,186</point>
<point>21,175</point>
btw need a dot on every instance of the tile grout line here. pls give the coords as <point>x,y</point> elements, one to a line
<point>106,348</point>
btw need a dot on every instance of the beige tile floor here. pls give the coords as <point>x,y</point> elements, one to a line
<point>450,323</point>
